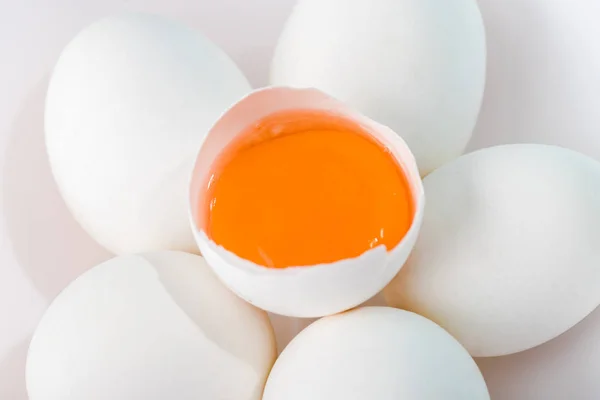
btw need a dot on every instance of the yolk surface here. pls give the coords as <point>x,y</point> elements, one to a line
<point>303,189</point>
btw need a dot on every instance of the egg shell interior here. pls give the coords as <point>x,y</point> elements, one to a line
<point>306,291</point>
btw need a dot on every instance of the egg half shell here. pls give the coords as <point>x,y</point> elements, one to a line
<point>304,291</point>
<point>508,254</point>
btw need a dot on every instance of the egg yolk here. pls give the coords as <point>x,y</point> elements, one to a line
<point>305,188</point>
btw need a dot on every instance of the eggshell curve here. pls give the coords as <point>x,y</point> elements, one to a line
<point>375,353</point>
<point>153,326</point>
<point>508,254</point>
<point>306,291</point>
<point>129,102</point>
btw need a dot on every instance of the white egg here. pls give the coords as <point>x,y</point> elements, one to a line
<point>129,103</point>
<point>154,326</point>
<point>508,255</point>
<point>417,66</point>
<point>375,353</point>
<point>301,291</point>
<point>564,368</point>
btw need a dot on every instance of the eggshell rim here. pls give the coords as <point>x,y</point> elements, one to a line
<point>390,139</point>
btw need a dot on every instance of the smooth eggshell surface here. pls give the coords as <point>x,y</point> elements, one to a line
<point>508,255</point>
<point>154,326</point>
<point>129,103</point>
<point>417,66</point>
<point>302,291</point>
<point>564,368</point>
<point>375,353</point>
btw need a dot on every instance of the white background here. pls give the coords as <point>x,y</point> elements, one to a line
<point>543,86</point>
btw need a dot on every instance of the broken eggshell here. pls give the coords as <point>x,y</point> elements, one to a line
<point>303,291</point>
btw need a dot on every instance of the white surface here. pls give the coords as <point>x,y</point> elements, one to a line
<point>417,66</point>
<point>301,291</point>
<point>154,326</point>
<point>508,254</point>
<point>564,368</point>
<point>542,85</point>
<point>375,353</point>
<point>129,103</point>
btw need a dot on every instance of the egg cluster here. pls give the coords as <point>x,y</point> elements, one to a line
<point>501,254</point>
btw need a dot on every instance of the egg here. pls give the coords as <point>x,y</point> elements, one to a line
<point>308,290</point>
<point>375,353</point>
<point>417,66</point>
<point>128,105</point>
<point>564,368</point>
<point>153,326</point>
<point>508,255</point>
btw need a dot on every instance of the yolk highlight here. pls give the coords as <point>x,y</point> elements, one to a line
<point>305,188</point>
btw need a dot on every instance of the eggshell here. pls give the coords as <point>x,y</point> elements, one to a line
<point>508,255</point>
<point>564,368</point>
<point>304,291</point>
<point>154,326</point>
<point>129,103</point>
<point>417,66</point>
<point>375,353</point>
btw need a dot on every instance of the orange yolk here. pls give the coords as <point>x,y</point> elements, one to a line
<point>304,188</point>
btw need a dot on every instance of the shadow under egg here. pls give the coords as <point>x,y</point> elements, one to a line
<point>12,372</point>
<point>49,245</point>
<point>287,328</point>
